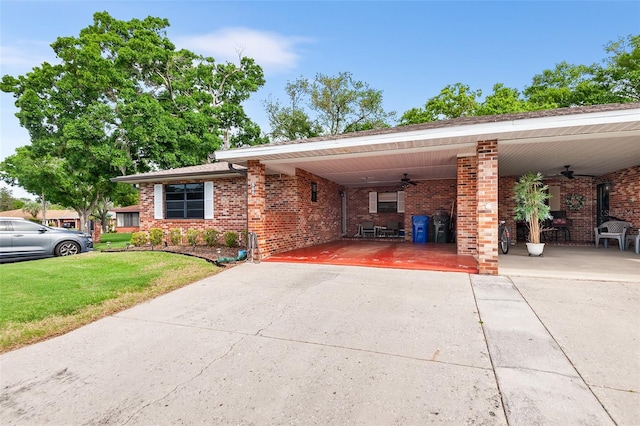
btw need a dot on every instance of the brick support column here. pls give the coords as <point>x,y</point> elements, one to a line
<point>487,205</point>
<point>256,202</point>
<point>97,232</point>
<point>466,210</point>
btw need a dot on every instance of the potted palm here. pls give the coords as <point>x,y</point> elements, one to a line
<point>531,196</point>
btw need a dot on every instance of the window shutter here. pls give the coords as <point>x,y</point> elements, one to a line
<point>373,202</point>
<point>208,200</point>
<point>400,201</point>
<point>157,201</point>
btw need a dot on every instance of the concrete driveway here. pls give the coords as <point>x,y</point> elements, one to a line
<point>275,343</point>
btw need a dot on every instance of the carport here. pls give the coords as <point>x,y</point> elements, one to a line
<point>470,163</point>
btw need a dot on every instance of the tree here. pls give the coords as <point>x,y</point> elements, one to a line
<point>454,101</point>
<point>7,201</point>
<point>341,104</point>
<point>124,100</point>
<point>620,75</point>
<point>565,86</point>
<point>291,122</point>
<point>32,207</point>
<point>505,100</point>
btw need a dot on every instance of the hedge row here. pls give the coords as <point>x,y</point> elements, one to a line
<point>193,237</point>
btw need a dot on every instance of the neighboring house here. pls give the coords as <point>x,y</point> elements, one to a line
<point>58,218</point>
<point>127,218</point>
<point>301,193</point>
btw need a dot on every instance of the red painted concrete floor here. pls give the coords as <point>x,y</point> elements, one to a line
<point>383,254</point>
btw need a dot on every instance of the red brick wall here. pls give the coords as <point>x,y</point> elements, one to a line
<point>487,202</point>
<point>506,202</point>
<point>320,221</point>
<point>281,214</point>
<point>358,209</point>
<point>229,208</point>
<point>466,206</point>
<point>427,197</point>
<point>256,203</point>
<point>290,219</point>
<point>126,229</point>
<point>624,198</point>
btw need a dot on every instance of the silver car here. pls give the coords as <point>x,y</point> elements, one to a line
<point>21,239</point>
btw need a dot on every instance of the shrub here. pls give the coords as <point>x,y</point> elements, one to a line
<point>245,237</point>
<point>210,237</point>
<point>175,236</point>
<point>139,239</point>
<point>192,237</point>
<point>155,236</point>
<point>230,239</point>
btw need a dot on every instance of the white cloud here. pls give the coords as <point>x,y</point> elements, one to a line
<point>274,52</point>
<point>23,57</point>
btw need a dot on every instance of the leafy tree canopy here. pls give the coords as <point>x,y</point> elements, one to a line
<point>616,80</point>
<point>123,100</point>
<point>339,104</point>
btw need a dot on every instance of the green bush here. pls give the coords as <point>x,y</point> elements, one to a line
<point>230,239</point>
<point>245,237</point>
<point>155,236</point>
<point>192,237</point>
<point>139,239</point>
<point>175,236</point>
<point>210,237</point>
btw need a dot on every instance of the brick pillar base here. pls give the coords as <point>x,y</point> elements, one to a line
<point>487,202</point>
<point>256,203</point>
<point>97,232</point>
<point>466,208</point>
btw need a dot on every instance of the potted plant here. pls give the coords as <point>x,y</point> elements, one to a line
<point>531,197</point>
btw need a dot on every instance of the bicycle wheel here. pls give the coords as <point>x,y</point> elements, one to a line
<point>505,241</point>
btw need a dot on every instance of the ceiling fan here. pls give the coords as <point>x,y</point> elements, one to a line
<point>406,181</point>
<point>569,174</point>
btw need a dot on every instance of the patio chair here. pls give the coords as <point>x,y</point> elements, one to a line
<point>368,229</point>
<point>615,229</point>
<point>392,229</point>
<point>635,238</point>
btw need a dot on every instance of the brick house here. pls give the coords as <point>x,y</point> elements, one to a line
<point>301,193</point>
<point>127,219</point>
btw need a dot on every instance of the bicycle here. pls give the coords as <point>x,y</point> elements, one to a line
<point>504,238</point>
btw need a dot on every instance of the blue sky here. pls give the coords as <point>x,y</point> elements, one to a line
<point>409,50</point>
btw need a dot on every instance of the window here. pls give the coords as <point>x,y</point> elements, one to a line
<point>387,202</point>
<point>128,219</point>
<point>26,226</point>
<point>184,201</point>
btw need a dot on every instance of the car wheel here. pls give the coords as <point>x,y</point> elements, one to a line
<point>67,248</point>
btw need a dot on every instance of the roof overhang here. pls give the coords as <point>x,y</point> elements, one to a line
<point>595,143</point>
<point>205,171</point>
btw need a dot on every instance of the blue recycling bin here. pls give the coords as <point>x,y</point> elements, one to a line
<point>420,224</point>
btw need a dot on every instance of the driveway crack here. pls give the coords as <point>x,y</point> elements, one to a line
<point>175,388</point>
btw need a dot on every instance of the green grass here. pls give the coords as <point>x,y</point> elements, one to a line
<point>48,297</point>
<point>117,240</point>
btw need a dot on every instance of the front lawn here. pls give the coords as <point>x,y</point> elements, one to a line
<point>44,298</point>
<point>115,240</point>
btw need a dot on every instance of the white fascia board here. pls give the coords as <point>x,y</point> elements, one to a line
<point>463,134</point>
<point>173,177</point>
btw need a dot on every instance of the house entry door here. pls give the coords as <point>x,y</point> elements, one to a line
<point>602,204</point>
<point>344,213</point>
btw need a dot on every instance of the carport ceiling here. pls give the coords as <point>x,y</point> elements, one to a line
<point>593,144</point>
